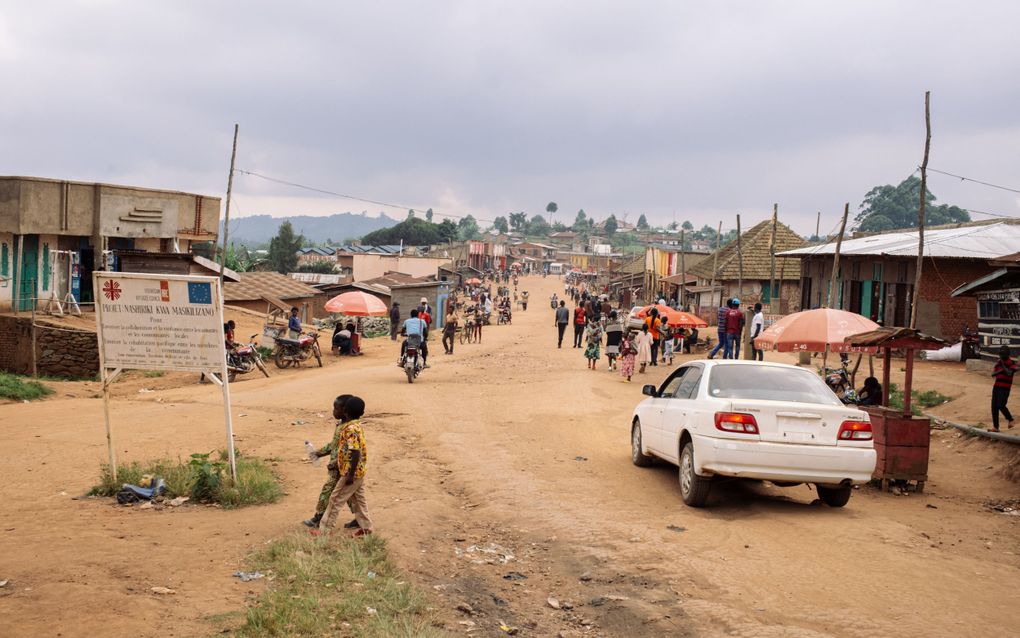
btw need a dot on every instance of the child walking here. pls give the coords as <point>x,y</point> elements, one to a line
<point>352,461</point>
<point>667,341</point>
<point>627,357</point>
<point>332,471</point>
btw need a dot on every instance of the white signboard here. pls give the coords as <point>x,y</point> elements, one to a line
<point>159,322</point>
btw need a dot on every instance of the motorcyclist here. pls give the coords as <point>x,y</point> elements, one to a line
<point>415,328</point>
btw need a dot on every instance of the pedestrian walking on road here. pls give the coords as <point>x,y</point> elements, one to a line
<point>628,354</point>
<point>614,335</point>
<point>562,319</point>
<point>643,343</point>
<point>593,337</point>
<point>331,450</point>
<point>1003,373</point>
<point>667,341</point>
<point>450,330</point>
<point>352,460</point>
<point>394,320</point>
<point>734,330</point>
<point>652,323</point>
<point>757,325</point>
<point>720,326</point>
<point>579,321</point>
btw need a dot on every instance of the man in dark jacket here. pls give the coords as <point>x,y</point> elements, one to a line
<point>562,319</point>
<point>394,320</point>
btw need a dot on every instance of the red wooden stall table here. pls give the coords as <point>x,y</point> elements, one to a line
<point>902,440</point>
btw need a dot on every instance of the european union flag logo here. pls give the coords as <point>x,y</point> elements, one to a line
<point>199,292</point>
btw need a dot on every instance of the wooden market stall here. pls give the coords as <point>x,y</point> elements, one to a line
<point>902,440</point>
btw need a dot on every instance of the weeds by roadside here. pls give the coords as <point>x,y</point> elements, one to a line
<point>154,374</point>
<point>918,400</point>
<point>200,478</point>
<point>17,388</point>
<point>337,587</point>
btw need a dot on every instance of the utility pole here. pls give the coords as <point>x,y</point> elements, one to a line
<point>683,274</point>
<point>226,215</point>
<point>772,256</point>
<point>920,212</point>
<point>835,263</point>
<point>715,263</point>
<point>818,226</point>
<point>740,262</point>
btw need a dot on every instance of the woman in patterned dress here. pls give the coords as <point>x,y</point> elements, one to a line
<point>593,336</point>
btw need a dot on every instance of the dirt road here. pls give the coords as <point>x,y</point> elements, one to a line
<point>501,478</point>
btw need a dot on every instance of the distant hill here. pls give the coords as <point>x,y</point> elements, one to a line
<point>259,229</point>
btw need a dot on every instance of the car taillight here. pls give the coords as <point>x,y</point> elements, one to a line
<point>736,422</point>
<point>855,431</point>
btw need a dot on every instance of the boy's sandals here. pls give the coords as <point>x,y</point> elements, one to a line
<point>1011,424</point>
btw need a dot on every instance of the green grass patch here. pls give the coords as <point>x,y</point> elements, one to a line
<point>918,400</point>
<point>201,478</point>
<point>335,587</point>
<point>18,388</point>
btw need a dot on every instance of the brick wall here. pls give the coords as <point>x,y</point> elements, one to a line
<point>940,314</point>
<point>59,352</point>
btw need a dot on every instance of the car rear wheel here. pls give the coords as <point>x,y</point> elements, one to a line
<point>834,496</point>
<point>693,488</point>
<point>638,457</point>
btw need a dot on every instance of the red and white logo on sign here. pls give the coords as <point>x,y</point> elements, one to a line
<point>112,290</point>
<point>164,291</point>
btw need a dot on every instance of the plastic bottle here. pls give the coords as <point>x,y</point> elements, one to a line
<point>312,453</point>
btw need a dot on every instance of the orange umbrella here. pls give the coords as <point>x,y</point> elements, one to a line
<point>815,330</point>
<point>474,281</point>
<point>357,304</point>
<point>675,318</point>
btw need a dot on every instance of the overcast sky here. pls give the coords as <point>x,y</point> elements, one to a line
<point>699,110</point>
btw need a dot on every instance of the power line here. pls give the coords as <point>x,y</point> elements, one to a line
<point>976,181</point>
<point>353,197</point>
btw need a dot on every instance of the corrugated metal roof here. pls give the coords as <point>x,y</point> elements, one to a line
<point>986,241</point>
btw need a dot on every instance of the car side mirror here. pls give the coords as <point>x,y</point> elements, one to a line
<point>649,390</point>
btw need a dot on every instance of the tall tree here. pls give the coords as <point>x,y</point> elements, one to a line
<point>447,230</point>
<point>887,207</point>
<point>611,225</point>
<point>283,249</point>
<point>551,208</point>
<point>412,232</point>
<point>688,226</point>
<point>518,221</point>
<point>642,222</point>
<point>673,225</point>
<point>538,226</point>
<point>428,215</point>
<point>410,213</point>
<point>467,227</point>
<point>501,224</point>
<point>580,222</point>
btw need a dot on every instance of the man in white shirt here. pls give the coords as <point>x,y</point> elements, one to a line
<point>757,325</point>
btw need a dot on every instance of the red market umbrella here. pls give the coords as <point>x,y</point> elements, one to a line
<point>675,318</point>
<point>474,281</point>
<point>816,331</point>
<point>357,304</point>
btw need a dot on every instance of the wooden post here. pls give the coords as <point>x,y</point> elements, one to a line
<point>779,293</point>
<point>908,383</point>
<point>683,275</point>
<point>835,261</point>
<point>920,220</point>
<point>886,374</point>
<point>35,362</point>
<point>740,262</point>
<point>715,264</point>
<point>226,214</point>
<point>818,225</point>
<point>772,256</point>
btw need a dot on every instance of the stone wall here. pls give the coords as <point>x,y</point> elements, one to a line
<point>60,352</point>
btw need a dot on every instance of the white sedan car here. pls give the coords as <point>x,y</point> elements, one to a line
<point>755,420</point>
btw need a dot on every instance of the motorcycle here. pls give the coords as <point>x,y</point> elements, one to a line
<point>411,360</point>
<point>838,380</point>
<point>245,359</point>
<point>291,352</point>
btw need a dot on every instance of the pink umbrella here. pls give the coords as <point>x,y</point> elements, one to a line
<point>815,331</point>
<point>357,304</point>
<point>675,318</point>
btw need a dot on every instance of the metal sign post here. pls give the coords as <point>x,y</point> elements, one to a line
<point>160,322</point>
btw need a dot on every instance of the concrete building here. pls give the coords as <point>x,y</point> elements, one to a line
<point>54,233</point>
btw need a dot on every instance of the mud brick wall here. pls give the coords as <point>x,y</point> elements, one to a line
<point>16,345</point>
<point>940,314</point>
<point>59,352</point>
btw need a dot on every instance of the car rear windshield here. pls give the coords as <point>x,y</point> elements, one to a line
<point>769,383</point>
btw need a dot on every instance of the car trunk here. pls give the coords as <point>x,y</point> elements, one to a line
<point>799,424</point>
